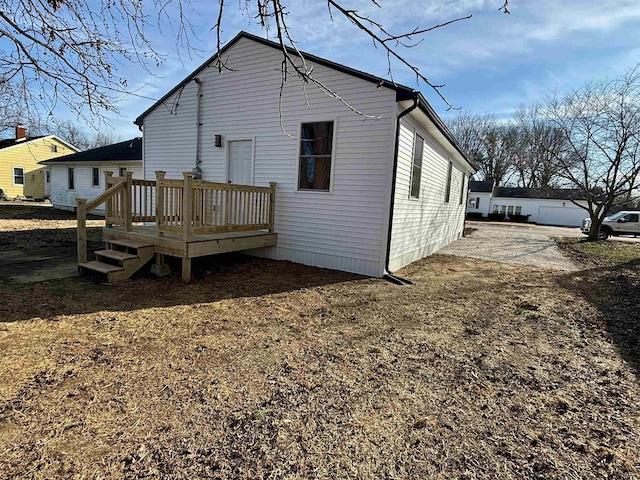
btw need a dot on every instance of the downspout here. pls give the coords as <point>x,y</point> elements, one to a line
<point>197,171</point>
<point>387,275</point>
<point>465,198</point>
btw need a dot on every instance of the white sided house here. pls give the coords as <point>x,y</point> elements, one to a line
<point>363,195</point>
<point>82,174</point>
<point>542,206</point>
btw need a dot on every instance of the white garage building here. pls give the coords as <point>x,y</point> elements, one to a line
<point>542,206</point>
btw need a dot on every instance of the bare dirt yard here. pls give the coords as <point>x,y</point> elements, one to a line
<point>264,369</point>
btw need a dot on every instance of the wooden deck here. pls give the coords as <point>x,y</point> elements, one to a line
<point>174,245</point>
<point>183,218</point>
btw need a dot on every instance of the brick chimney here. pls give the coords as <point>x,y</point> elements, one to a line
<point>21,132</point>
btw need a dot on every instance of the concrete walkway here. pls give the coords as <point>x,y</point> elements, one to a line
<point>512,243</point>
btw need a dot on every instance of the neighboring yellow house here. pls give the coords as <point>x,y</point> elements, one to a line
<point>20,174</point>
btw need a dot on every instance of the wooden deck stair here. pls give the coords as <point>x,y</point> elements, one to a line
<point>119,262</point>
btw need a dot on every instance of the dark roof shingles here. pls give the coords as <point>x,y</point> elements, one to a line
<point>130,150</point>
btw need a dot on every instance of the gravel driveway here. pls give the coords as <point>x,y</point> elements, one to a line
<point>507,243</point>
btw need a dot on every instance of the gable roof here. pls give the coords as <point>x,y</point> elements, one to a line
<point>481,186</point>
<point>12,142</point>
<point>402,92</point>
<point>127,151</point>
<point>546,193</point>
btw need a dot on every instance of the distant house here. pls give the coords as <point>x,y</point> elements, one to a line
<point>365,196</point>
<point>543,206</point>
<point>81,175</point>
<point>21,175</point>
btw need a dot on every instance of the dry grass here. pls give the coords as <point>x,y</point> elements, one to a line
<point>274,370</point>
<point>32,226</point>
<point>595,254</point>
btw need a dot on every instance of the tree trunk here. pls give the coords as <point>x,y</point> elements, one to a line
<point>596,222</point>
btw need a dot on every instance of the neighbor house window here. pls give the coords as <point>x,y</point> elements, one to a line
<point>71,177</point>
<point>54,148</point>
<point>447,194</point>
<point>314,163</point>
<point>462,181</point>
<point>416,169</point>
<point>95,176</point>
<point>510,210</point>
<point>518,211</point>
<point>18,176</point>
<point>503,209</point>
<point>121,171</point>
<point>474,202</point>
<point>496,208</point>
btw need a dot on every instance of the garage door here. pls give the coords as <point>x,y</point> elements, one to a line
<point>565,216</point>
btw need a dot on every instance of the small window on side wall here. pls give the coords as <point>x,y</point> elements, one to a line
<point>18,176</point>
<point>316,153</point>
<point>416,168</point>
<point>447,194</point>
<point>71,178</point>
<point>54,149</point>
<point>95,176</point>
<point>121,171</point>
<point>462,184</point>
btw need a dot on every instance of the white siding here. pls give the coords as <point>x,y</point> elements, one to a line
<point>423,225</point>
<point>545,211</point>
<point>65,199</point>
<point>344,229</point>
<point>485,201</point>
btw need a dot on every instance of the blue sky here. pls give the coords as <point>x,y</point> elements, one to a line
<point>491,63</point>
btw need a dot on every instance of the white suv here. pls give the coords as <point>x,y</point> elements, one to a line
<point>621,223</point>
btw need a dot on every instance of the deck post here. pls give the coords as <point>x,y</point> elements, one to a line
<point>108,205</point>
<point>272,206</point>
<point>159,201</point>
<point>81,212</point>
<point>128,207</point>
<point>186,269</point>
<point>187,208</point>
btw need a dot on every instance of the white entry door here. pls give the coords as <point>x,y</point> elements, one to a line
<point>240,162</point>
<point>47,183</point>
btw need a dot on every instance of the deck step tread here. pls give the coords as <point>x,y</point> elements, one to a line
<point>101,267</point>
<point>116,254</point>
<point>124,242</point>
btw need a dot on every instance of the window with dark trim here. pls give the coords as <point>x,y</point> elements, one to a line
<point>71,178</point>
<point>462,180</point>
<point>54,148</point>
<point>18,176</point>
<point>416,166</point>
<point>447,194</point>
<point>95,176</point>
<point>314,161</point>
<point>121,171</point>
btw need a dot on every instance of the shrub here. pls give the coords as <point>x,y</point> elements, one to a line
<point>474,215</point>
<point>496,216</point>
<point>519,218</point>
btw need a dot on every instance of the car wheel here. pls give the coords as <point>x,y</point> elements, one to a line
<point>603,234</point>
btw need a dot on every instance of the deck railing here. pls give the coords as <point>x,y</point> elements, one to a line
<point>184,207</point>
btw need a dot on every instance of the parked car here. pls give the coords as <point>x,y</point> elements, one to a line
<point>621,223</point>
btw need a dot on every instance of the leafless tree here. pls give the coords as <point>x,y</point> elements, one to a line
<point>541,143</point>
<point>72,52</point>
<point>601,123</point>
<point>491,146</point>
